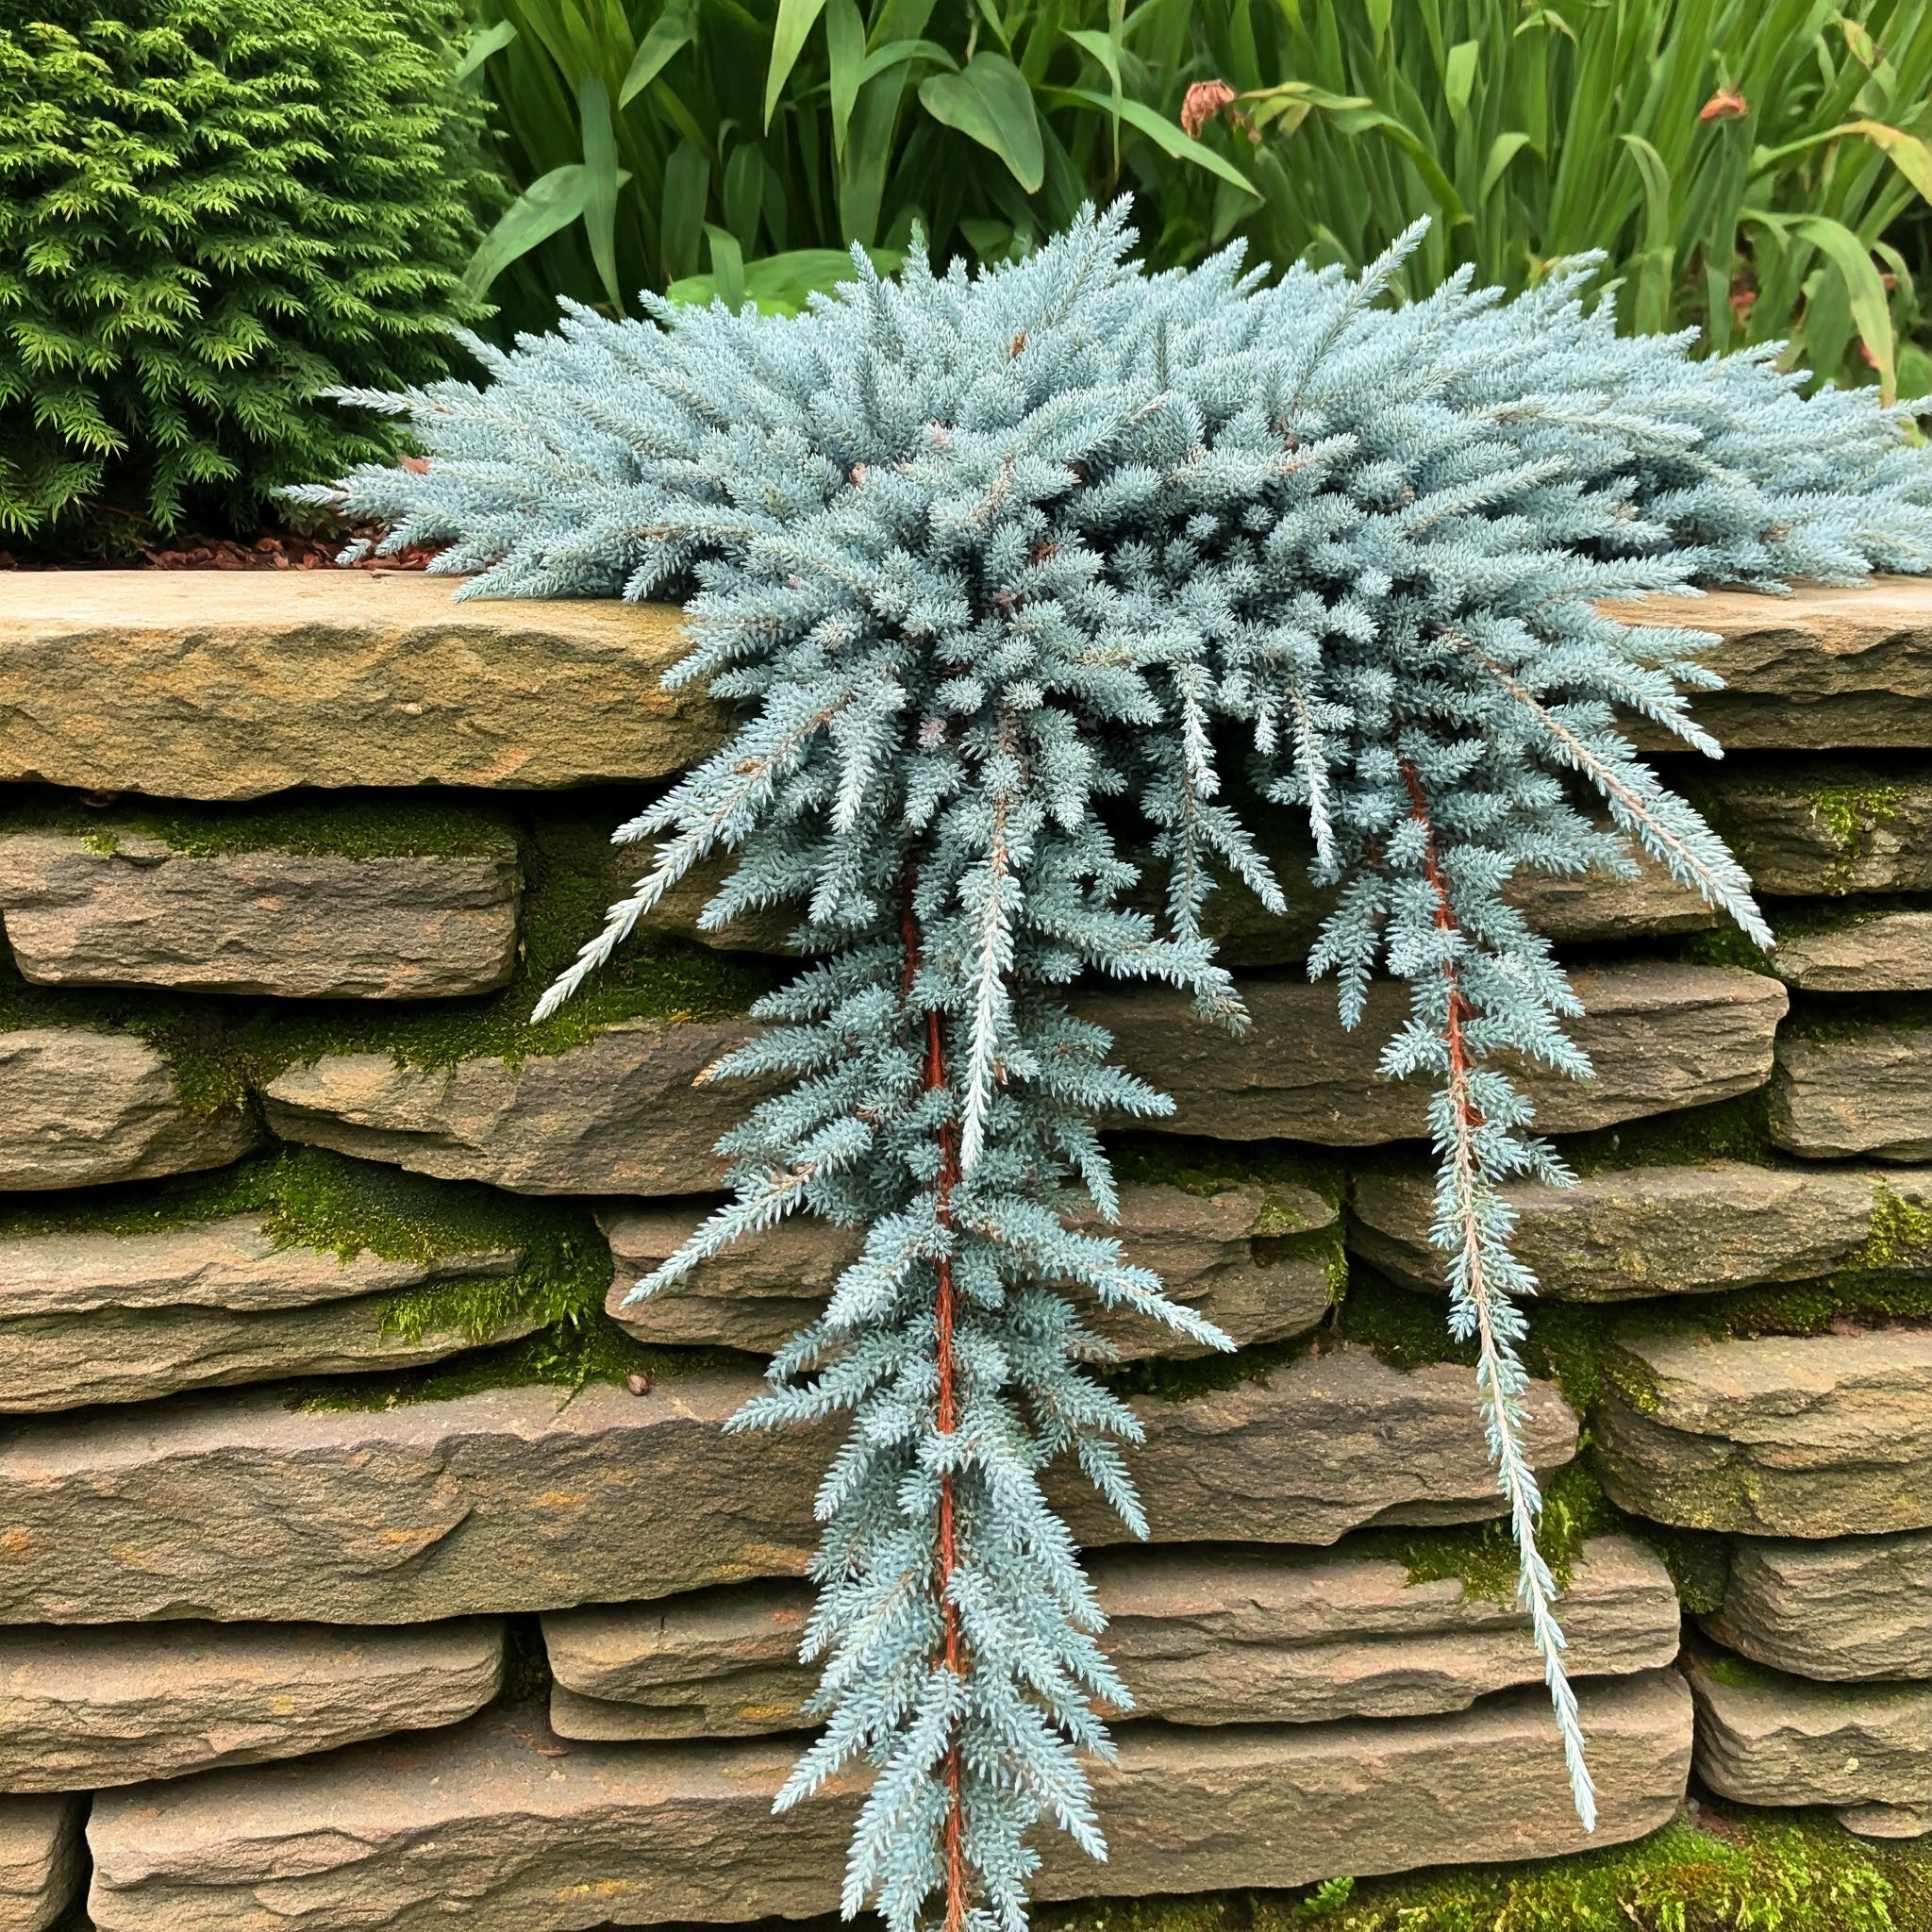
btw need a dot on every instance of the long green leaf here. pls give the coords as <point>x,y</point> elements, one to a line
<point>782,284</point>
<point>673,30</point>
<point>1864,288</point>
<point>727,266</point>
<point>601,185</point>
<point>990,102</point>
<point>1165,134</point>
<point>795,20</point>
<point>547,206</point>
<point>485,42</point>
<point>1458,79</point>
<point>1655,265</point>
<point>846,43</point>
<point>1503,150</point>
<point>686,186</point>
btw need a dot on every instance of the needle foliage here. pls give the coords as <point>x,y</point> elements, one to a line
<point>1005,571</point>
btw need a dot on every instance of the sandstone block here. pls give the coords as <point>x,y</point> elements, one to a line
<point>505,1824</point>
<point>1767,1739</point>
<point>1818,1436</point>
<point>1863,1089</point>
<point>1887,1821</point>
<point>1885,952</point>
<point>1221,1254</point>
<point>121,1703</point>
<point>42,1861</point>
<point>1828,666</point>
<point>91,1317</point>
<point>621,1116</point>
<point>212,687</point>
<point>237,1506</point>
<point>616,1116</point>
<point>1805,829</point>
<point>1200,1638</point>
<point>1852,1609</point>
<point>300,926</point>
<point>1623,1234</point>
<point>1324,1444</point>
<point>1661,1037</point>
<point>80,1108</point>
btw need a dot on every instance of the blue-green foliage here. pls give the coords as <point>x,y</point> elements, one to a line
<point>998,567</point>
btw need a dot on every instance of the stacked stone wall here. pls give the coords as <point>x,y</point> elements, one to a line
<point>365,1562</point>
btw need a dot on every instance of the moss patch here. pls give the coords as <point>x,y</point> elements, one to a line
<point>364,824</point>
<point>1900,1235</point>
<point>1736,1129</point>
<point>1849,815</point>
<point>1210,1167</point>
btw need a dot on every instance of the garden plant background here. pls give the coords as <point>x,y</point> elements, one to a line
<point>210,210</point>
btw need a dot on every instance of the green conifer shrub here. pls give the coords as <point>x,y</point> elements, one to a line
<point>208,210</point>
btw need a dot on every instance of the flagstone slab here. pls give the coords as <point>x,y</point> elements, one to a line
<point>1200,1636</point>
<point>93,1317</point>
<point>1764,1737</point>
<point>619,1115</point>
<point>1780,1436</point>
<point>82,1709</point>
<point>1827,666</point>
<point>83,1108</point>
<point>508,1825</point>
<point>42,1860</point>
<point>237,1507</point>
<point>122,907</point>
<point>1881,951</point>
<point>1863,1088</point>
<point>1660,1036</point>
<point>1238,1255</point>
<point>1852,1609</point>
<point>200,684</point>
<point>1624,1234</point>
<point>1825,827</point>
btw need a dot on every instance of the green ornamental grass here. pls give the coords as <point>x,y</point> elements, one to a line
<point>208,210</point>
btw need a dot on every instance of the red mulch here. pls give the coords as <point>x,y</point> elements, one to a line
<point>273,550</point>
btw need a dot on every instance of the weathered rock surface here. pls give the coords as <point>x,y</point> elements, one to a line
<point>1887,1821</point>
<point>1818,1436</point>
<point>1863,1089</point>
<point>79,1109</point>
<point>1222,1254</point>
<point>42,1860</point>
<point>1246,1637</point>
<point>506,1825</point>
<point>616,1116</point>
<point>1661,1037</point>
<point>239,1506</point>
<point>119,1705</point>
<point>717,1663</point>
<point>199,685</point>
<point>1624,1234</point>
<point>90,1317</point>
<point>1857,1607</point>
<point>1764,1737</point>
<point>1805,829</point>
<point>1326,1443</point>
<point>1885,952</point>
<point>621,1116</point>
<point>1828,666</point>
<point>302,926</point>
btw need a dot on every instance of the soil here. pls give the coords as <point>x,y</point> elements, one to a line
<point>271,550</point>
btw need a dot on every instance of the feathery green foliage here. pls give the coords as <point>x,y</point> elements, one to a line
<point>992,567</point>
<point>210,210</point>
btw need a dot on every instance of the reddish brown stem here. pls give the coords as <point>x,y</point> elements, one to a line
<point>1460,1008</point>
<point>935,1076</point>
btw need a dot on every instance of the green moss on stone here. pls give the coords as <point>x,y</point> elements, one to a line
<point>1738,1129</point>
<point>1724,946</point>
<point>1849,814</point>
<point>1900,1235</point>
<point>1714,1868</point>
<point>363,825</point>
<point>1210,1167</point>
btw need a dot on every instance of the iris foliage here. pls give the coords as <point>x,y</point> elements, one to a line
<point>1006,572</point>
